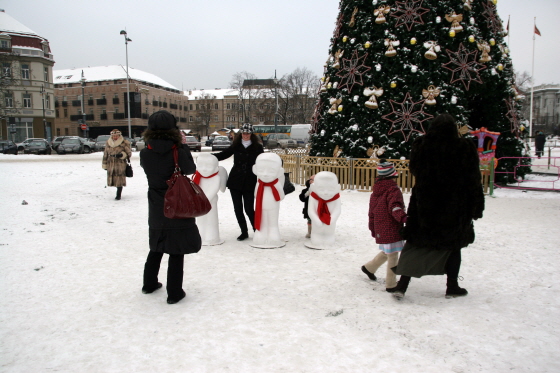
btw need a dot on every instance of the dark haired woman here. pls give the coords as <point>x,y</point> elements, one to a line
<point>245,149</point>
<point>175,237</point>
<point>445,199</point>
<point>117,151</point>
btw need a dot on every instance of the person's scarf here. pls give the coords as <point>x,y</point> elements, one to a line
<point>197,176</point>
<point>260,194</point>
<point>323,208</point>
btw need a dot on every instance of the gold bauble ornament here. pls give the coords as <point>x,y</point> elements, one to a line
<point>500,67</point>
<point>471,39</point>
<point>393,84</point>
<point>494,2</point>
<point>339,108</point>
<point>452,33</point>
<point>413,41</point>
<point>367,44</point>
<point>492,42</point>
<point>345,39</point>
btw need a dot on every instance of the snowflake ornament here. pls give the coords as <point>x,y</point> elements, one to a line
<point>352,71</point>
<point>407,117</point>
<point>409,12</point>
<point>464,66</point>
<point>512,116</point>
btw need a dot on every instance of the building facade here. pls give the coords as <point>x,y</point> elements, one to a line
<point>26,88</point>
<point>546,108</point>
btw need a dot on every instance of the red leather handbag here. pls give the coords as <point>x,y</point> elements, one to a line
<point>184,199</point>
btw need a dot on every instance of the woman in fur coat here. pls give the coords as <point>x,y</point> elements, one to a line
<point>117,151</point>
<point>175,237</point>
<point>446,198</point>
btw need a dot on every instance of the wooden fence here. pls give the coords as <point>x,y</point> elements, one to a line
<point>353,173</point>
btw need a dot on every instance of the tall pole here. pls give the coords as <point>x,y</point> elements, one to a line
<point>44,119</point>
<point>126,40</point>
<point>83,80</point>
<point>532,81</point>
<point>276,97</point>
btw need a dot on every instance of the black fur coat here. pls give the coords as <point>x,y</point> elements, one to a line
<point>447,195</point>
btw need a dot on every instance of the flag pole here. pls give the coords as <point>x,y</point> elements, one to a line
<point>508,31</point>
<point>532,80</point>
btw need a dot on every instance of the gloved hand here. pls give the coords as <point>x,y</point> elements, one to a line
<point>104,167</point>
<point>120,155</point>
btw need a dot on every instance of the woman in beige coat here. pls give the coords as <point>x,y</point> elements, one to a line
<point>117,151</point>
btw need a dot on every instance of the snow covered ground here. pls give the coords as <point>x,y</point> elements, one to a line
<point>71,264</point>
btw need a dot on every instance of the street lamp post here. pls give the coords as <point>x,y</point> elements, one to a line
<point>126,40</point>
<point>44,119</point>
<point>276,97</point>
<point>83,81</point>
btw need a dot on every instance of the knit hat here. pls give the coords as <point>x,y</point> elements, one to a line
<point>162,120</point>
<point>386,169</point>
<point>247,128</point>
<point>116,132</point>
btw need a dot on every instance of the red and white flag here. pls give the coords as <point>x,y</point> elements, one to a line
<point>537,31</point>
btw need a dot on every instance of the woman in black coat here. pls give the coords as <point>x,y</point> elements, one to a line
<point>540,140</point>
<point>446,198</point>
<point>241,181</point>
<point>175,237</point>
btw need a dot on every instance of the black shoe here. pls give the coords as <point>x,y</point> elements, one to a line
<point>399,290</point>
<point>147,290</point>
<point>369,274</point>
<point>392,290</point>
<point>455,291</point>
<point>118,198</point>
<point>243,236</point>
<point>175,300</point>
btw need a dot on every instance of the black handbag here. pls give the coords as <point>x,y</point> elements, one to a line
<point>288,186</point>
<point>128,171</point>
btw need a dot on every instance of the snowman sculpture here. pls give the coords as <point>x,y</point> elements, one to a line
<point>323,209</point>
<point>268,194</point>
<point>211,178</point>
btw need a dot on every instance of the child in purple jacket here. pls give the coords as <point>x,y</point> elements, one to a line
<point>386,217</point>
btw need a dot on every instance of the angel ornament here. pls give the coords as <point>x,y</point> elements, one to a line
<point>391,52</point>
<point>375,151</point>
<point>334,105</point>
<point>484,47</point>
<point>352,22</point>
<point>455,19</point>
<point>380,13</point>
<point>372,93</point>
<point>432,48</point>
<point>430,95</point>
<point>325,83</point>
<point>337,57</point>
<point>467,5</point>
<point>212,179</point>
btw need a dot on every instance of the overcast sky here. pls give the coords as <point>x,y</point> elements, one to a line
<point>202,43</point>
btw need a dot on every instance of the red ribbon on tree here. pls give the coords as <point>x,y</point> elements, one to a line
<point>260,194</point>
<point>323,209</point>
<point>197,176</point>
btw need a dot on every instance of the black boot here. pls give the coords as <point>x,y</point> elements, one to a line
<point>369,274</point>
<point>119,192</point>
<point>453,289</point>
<point>399,290</point>
<point>244,236</point>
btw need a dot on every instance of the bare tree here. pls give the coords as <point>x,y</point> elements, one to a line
<point>204,111</point>
<point>256,98</point>
<point>523,83</point>
<point>299,94</point>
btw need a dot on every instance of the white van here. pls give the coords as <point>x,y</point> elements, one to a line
<point>300,133</point>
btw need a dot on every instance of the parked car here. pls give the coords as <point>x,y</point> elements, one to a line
<point>38,147</point>
<point>100,142</point>
<point>131,141</point>
<point>8,147</point>
<point>73,144</point>
<point>194,144</point>
<point>280,140</point>
<point>140,144</point>
<point>220,143</point>
<point>209,141</point>
<point>56,142</point>
<point>22,145</point>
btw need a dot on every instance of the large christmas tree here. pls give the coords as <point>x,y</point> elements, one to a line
<point>395,65</point>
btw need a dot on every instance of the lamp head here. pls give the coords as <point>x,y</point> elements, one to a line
<point>123,32</point>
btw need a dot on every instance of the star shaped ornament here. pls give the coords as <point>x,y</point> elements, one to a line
<point>464,66</point>
<point>409,12</point>
<point>407,117</point>
<point>352,71</point>
<point>492,19</point>
<point>512,116</point>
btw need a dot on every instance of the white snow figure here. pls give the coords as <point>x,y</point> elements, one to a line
<point>269,192</point>
<point>212,178</point>
<point>323,209</point>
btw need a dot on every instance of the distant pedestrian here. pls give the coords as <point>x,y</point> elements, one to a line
<point>447,196</point>
<point>386,218</point>
<point>540,140</point>
<point>117,151</point>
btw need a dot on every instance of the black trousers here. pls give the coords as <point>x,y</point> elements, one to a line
<point>174,273</point>
<point>452,267</point>
<point>243,200</point>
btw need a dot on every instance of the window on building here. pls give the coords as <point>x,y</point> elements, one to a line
<point>6,69</point>
<point>47,102</point>
<point>4,44</point>
<point>46,74</point>
<point>103,96</point>
<point>233,118</point>
<point>190,119</point>
<point>103,111</point>
<point>56,113</point>
<point>190,107</point>
<point>116,110</point>
<point>216,118</point>
<point>58,131</point>
<point>227,118</point>
<point>25,71</point>
<point>116,95</point>
<point>261,119</point>
<point>9,100</point>
<point>65,113</point>
<point>228,106</point>
<point>196,106</point>
<point>26,100</point>
<point>66,131</point>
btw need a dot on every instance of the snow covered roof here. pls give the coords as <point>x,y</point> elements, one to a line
<point>9,24</point>
<point>103,73</point>
<point>218,93</point>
